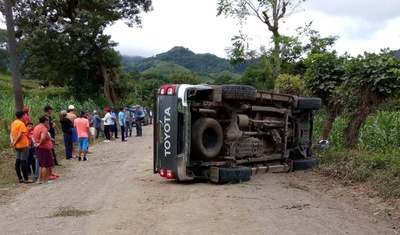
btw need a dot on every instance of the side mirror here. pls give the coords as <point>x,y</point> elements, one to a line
<point>323,144</point>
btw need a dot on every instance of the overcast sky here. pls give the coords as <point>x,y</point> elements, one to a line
<point>362,25</point>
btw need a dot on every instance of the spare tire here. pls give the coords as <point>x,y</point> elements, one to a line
<point>305,163</point>
<point>234,175</point>
<point>207,138</point>
<point>308,103</point>
<point>238,92</point>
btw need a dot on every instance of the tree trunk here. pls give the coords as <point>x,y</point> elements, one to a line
<point>12,47</point>
<point>277,62</point>
<point>334,109</point>
<point>352,132</point>
<point>107,81</point>
<point>327,127</point>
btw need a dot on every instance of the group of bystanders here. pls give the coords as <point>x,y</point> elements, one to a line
<point>34,145</point>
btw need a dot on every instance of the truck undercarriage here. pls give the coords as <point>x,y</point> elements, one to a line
<point>236,131</point>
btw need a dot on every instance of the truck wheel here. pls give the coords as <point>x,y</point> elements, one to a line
<point>234,175</point>
<point>305,163</point>
<point>238,92</point>
<point>308,103</point>
<point>207,138</point>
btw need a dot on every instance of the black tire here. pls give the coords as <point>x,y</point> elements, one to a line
<point>207,138</point>
<point>238,92</point>
<point>305,164</point>
<point>308,103</point>
<point>234,175</point>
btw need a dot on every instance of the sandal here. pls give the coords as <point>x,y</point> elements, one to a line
<point>21,181</point>
<point>29,181</point>
<point>51,177</point>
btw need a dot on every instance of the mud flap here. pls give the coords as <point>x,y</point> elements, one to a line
<point>223,175</point>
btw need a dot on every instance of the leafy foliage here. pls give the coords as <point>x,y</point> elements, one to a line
<point>324,73</point>
<point>63,42</point>
<point>374,78</point>
<point>270,13</point>
<point>259,75</point>
<point>291,84</point>
<point>184,78</point>
<point>4,56</point>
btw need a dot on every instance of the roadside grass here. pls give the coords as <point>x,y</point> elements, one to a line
<point>375,162</point>
<point>70,211</point>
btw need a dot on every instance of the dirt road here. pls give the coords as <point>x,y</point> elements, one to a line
<point>120,195</point>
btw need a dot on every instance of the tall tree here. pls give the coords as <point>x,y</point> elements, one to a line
<point>269,12</point>
<point>325,73</point>
<point>12,47</point>
<point>372,78</point>
<point>64,41</point>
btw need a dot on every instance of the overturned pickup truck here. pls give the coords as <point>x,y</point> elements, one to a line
<point>227,133</point>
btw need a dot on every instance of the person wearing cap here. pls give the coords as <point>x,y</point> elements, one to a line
<point>48,111</point>
<point>107,123</point>
<point>66,127</point>
<point>27,119</point>
<point>72,116</point>
<point>97,124</point>
<point>81,125</point>
<point>20,142</point>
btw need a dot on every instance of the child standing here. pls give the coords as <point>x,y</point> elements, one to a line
<point>32,159</point>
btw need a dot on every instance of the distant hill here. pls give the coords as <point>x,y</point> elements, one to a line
<point>206,65</point>
<point>127,61</point>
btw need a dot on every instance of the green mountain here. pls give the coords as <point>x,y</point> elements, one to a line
<point>204,65</point>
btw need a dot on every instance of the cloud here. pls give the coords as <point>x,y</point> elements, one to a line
<point>191,24</point>
<point>358,19</point>
<point>370,10</point>
<point>361,26</point>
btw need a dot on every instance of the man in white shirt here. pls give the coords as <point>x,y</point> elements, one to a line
<point>108,122</point>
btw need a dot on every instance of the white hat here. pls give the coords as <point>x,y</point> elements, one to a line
<point>71,107</point>
<point>94,111</point>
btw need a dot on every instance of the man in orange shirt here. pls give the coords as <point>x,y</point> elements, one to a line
<point>20,142</point>
<point>81,125</point>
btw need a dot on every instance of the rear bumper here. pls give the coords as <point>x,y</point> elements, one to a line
<point>181,163</point>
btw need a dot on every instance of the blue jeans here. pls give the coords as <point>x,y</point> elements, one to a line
<point>36,167</point>
<point>122,133</point>
<point>128,128</point>
<point>68,145</point>
<point>138,124</point>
